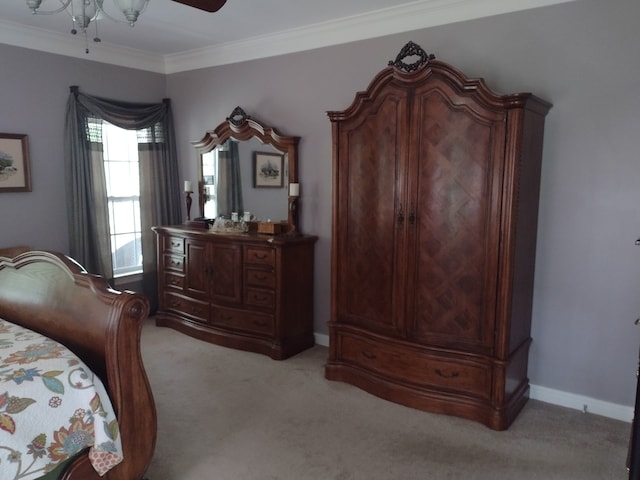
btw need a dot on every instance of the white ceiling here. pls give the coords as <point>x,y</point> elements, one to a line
<point>170,37</point>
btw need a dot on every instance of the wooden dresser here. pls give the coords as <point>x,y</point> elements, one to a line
<point>248,291</point>
<point>435,204</point>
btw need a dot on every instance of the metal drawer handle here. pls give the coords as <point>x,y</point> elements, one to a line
<point>369,355</point>
<point>447,375</point>
<point>412,215</point>
<point>260,256</point>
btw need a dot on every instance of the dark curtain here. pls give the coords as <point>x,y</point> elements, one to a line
<point>234,180</point>
<point>86,190</point>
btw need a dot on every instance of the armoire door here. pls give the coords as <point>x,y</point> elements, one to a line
<point>455,183</point>
<point>370,215</point>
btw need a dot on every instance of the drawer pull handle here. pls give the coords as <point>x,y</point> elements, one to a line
<point>412,215</point>
<point>447,375</point>
<point>260,256</point>
<point>401,215</point>
<point>175,303</point>
<point>369,355</point>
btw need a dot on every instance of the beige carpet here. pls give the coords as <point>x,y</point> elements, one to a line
<point>229,415</point>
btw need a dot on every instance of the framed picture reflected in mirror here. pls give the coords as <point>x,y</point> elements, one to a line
<point>267,170</point>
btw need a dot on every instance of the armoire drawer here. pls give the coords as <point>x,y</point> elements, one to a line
<point>187,306</point>
<point>241,320</point>
<point>419,368</point>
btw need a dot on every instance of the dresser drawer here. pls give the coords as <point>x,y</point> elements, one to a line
<point>173,281</point>
<point>174,263</point>
<point>260,278</point>
<point>187,306</point>
<point>399,363</point>
<point>231,319</point>
<point>174,244</point>
<point>260,255</point>
<point>259,298</point>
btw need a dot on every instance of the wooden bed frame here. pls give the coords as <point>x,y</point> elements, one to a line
<point>53,295</point>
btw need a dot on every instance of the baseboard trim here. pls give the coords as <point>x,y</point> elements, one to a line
<point>582,403</point>
<point>321,339</point>
<point>557,397</point>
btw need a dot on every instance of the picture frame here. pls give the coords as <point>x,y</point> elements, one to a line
<point>15,174</point>
<point>268,170</point>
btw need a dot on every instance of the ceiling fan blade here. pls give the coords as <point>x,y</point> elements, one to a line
<point>206,5</point>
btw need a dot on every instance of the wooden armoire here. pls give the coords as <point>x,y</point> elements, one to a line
<point>435,204</point>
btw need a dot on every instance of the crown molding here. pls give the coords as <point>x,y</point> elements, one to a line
<point>412,16</point>
<point>70,46</point>
<point>416,15</point>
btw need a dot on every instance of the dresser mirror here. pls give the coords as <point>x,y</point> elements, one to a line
<point>246,167</point>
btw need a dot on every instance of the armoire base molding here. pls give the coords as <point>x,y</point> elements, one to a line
<point>553,396</point>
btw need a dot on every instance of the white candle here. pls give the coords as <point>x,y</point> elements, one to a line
<point>187,186</point>
<point>294,189</point>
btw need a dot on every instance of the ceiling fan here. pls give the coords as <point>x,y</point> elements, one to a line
<point>206,5</point>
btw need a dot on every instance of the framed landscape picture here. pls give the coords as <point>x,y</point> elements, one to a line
<point>267,170</point>
<point>14,163</point>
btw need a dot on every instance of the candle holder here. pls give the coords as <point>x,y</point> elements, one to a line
<point>188,200</point>
<point>294,204</point>
<point>203,198</point>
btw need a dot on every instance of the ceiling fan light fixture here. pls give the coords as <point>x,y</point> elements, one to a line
<point>33,4</point>
<point>85,12</point>
<point>131,9</point>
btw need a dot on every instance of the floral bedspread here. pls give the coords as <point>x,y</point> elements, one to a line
<point>51,407</point>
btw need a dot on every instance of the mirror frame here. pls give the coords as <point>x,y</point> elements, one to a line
<point>241,126</point>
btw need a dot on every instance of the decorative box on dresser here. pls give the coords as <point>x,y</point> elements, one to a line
<point>242,290</point>
<point>435,202</point>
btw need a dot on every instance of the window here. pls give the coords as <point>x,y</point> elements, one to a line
<point>215,169</point>
<point>211,178</point>
<point>122,174</point>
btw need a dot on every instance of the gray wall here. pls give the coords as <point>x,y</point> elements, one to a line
<point>34,88</point>
<point>581,56</point>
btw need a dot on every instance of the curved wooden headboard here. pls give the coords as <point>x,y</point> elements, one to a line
<point>50,293</point>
